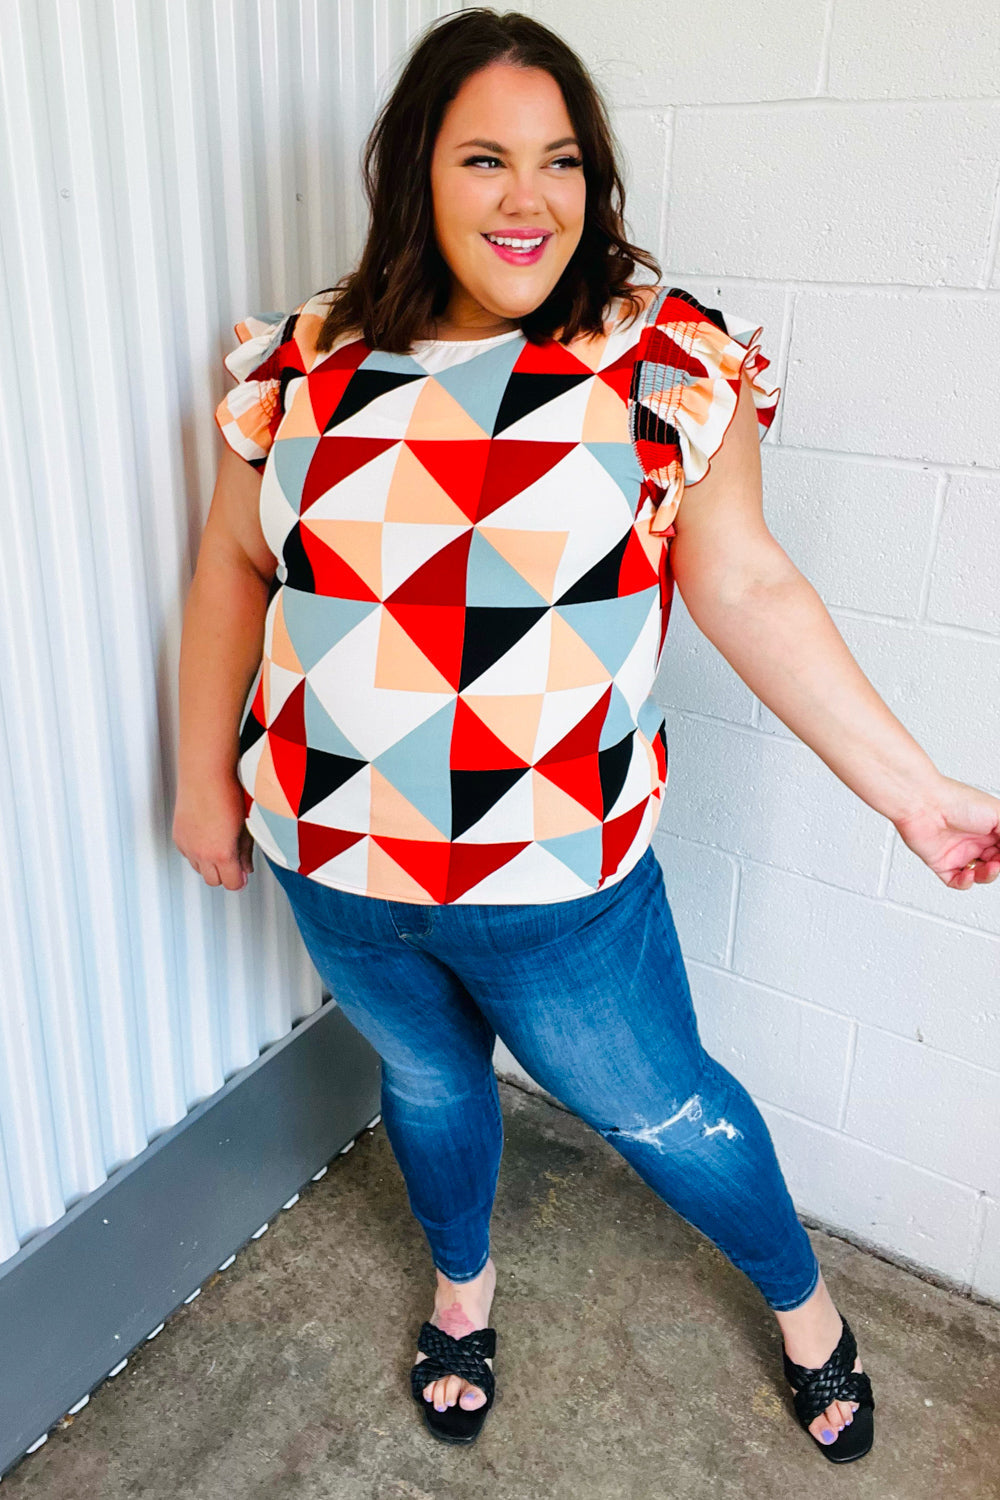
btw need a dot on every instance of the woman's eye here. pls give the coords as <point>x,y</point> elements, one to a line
<point>571,161</point>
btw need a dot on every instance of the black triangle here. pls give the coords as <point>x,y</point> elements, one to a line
<point>293,554</point>
<point>365,386</point>
<point>489,634</point>
<point>325,772</point>
<point>600,581</point>
<point>526,393</point>
<point>613,764</point>
<point>646,425</point>
<point>250,733</point>
<point>473,793</point>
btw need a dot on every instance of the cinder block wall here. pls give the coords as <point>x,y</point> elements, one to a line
<point>830,169</point>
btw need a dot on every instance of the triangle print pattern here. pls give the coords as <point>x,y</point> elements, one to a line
<point>454,702</point>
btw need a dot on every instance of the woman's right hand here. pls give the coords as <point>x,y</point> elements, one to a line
<point>210,831</point>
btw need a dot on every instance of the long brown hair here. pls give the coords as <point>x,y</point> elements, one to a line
<point>402,282</point>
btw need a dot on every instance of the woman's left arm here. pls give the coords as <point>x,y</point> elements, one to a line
<point>746,595</point>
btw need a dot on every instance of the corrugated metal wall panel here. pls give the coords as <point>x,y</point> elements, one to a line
<point>164,169</point>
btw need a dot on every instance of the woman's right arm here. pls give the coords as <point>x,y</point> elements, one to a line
<point>221,645</point>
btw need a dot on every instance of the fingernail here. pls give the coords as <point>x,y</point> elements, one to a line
<point>828,1436</point>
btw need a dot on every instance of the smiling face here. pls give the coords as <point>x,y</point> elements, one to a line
<point>505,163</point>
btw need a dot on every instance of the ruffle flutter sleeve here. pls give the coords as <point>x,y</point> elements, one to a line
<point>249,414</point>
<point>685,386</point>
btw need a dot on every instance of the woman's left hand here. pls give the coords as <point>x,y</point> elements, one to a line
<point>958,829</point>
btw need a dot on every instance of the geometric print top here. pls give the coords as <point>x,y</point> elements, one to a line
<point>454,701</point>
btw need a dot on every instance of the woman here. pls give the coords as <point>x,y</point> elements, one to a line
<point>470,462</point>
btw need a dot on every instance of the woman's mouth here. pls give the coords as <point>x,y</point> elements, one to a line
<point>508,247</point>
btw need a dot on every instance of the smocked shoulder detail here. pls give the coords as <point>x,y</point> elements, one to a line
<point>265,358</point>
<point>684,391</point>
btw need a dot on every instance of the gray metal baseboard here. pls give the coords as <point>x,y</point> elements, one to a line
<point>82,1294</point>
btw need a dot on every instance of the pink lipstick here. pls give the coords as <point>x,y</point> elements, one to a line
<point>516,257</point>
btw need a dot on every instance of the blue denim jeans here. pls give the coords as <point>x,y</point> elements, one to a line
<point>591,996</point>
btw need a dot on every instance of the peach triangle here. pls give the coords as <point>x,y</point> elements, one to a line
<point>390,880</point>
<point>415,496</point>
<point>534,554</point>
<point>300,419</point>
<point>513,718</point>
<point>393,815</point>
<point>555,812</point>
<point>400,663</point>
<point>437,414</point>
<point>571,661</point>
<point>267,788</point>
<point>605,414</point>
<point>282,651</point>
<point>359,543</point>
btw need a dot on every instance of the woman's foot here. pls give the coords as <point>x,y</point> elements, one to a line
<point>810,1334</point>
<point>459,1307</point>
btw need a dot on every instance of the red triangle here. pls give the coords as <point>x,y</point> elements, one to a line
<point>332,462</point>
<point>471,863</point>
<point>318,844</point>
<point>618,837</point>
<point>512,465</point>
<point>332,574</point>
<point>290,722</point>
<point>289,767</point>
<point>457,467</point>
<point>583,739</point>
<point>549,359</point>
<point>579,779</point>
<point>636,570</point>
<point>654,455</point>
<point>661,761</point>
<point>666,594</point>
<point>619,374</point>
<point>663,349</point>
<point>424,861</point>
<point>474,745</point>
<point>441,579</point>
<point>437,631</point>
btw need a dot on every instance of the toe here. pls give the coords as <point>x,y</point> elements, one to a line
<point>826,1427</point>
<point>452,1389</point>
<point>472,1397</point>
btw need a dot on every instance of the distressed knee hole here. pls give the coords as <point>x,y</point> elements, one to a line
<point>690,1111</point>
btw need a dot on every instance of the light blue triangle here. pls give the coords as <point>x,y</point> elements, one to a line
<point>580,852</point>
<point>418,767</point>
<point>491,582</point>
<point>315,622</point>
<point>290,460</point>
<point>610,626</point>
<point>284,831</point>
<point>650,717</point>
<point>620,461</point>
<point>322,733</point>
<point>482,394</point>
<point>396,364</point>
<point>618,721</point>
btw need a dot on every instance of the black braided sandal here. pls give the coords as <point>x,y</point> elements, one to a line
<point>465,1357</point>
<point>837,1380</point>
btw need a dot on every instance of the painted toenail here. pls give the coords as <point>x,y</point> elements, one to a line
<point>828,1436</point>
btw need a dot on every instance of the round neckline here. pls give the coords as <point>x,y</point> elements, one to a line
<point>461,343</point>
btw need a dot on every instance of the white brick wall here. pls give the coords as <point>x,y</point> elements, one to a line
<point>830,169</point>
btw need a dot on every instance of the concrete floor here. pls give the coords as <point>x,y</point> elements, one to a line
<point>633,1360</point>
